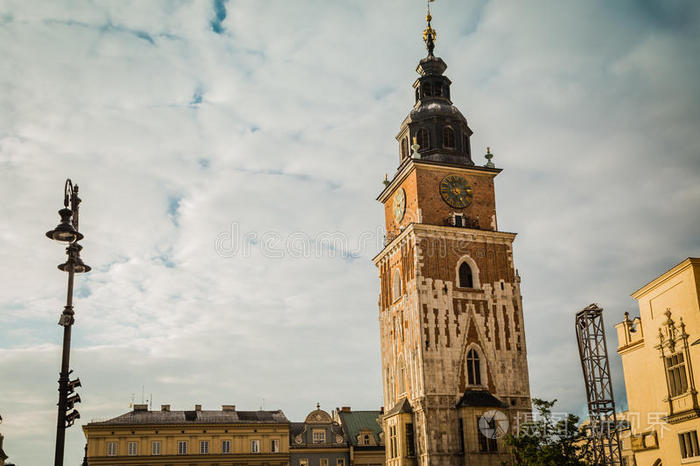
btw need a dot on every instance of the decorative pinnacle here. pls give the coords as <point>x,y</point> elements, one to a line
<point>489,156</point>
<point>386,180</point>
<point>429,34</point>
<point>414,147</point>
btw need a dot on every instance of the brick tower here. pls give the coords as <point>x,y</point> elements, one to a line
<point>454,361</point>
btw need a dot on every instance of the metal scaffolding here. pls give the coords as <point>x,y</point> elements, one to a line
<point>603,436</point>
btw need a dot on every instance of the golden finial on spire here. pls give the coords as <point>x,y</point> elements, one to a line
<point>429,34</point>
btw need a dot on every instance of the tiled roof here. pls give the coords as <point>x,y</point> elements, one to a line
<point>196,417</point>
<point>402,406</point>
<point>355,421</point>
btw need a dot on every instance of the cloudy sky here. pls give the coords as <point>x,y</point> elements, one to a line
<point>229,154</point>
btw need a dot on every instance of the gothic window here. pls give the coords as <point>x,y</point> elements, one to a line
<point>466,279</point>
<point>427,90</point>
<point>473,368</point>
<point>423,139</point>
<point>448,137</point>
<point>397,284</point>
<point>402,377</point>
<point>675,368</point>
<point>404,148</point>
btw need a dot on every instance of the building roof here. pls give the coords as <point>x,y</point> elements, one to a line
<point>402,406</point>
<point>146,417</point>
<point>479,398</point>
<point>355,421</point>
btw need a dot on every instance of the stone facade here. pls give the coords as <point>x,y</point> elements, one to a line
<point>450,309</point>
<point>318,441</point>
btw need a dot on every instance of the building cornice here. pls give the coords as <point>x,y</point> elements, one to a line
<point>675,270</point>
<point>410,165</point>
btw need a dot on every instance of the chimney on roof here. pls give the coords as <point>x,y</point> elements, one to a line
<point>197,407</point>
<point>228,408</point>
<point>143,407</point>
<point>165,407</point>
<point>345,409</point>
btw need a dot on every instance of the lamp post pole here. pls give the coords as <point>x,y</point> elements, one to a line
<point>67,231</point>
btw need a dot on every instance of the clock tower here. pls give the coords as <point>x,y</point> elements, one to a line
<point>454,363</point>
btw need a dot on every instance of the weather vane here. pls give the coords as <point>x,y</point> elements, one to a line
<point>429,34</point>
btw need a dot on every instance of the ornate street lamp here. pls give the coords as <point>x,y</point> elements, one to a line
<point>67,232</point>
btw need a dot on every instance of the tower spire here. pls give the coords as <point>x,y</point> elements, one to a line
<point>429,34</point>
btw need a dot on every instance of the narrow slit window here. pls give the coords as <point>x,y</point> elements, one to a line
<point>466,280</point>
<point>473,368</point>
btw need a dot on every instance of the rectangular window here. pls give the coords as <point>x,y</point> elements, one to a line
<point>319,436</point>
<point>132,448</point>
<point>112,449</point>
<point>340,462</point>
<point>675,369</point>
<point>226,446</point>
<point>255,446</point>
<point>689,444</point>
<point>487,444</point>
<point>410,445</point>
<point>461,434</point>
<point>303,462</point>
<point>204,446</point>
<point>459,220</point>
<point>155,448</point>
<point>182,447</point>
<point>275,445</point>
<point>324,461</point>
<point>392,442</point>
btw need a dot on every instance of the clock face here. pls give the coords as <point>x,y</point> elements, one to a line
<point>399,205</point>
<point>456,191</point>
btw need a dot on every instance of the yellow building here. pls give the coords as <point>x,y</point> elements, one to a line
<point>201,438</point>
<point>660,353</point>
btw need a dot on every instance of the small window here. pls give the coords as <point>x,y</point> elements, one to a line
<point>365,440</point>
<point>410,445</point>
<point>437,90</point>
<point>467,149</point>
<point>427,90</point>
<point>319,436</point>
<point>203,447</point>
<point>255,446</point>
<point>473,368</point>
<point>689,444</point>
<point>324,461</point>
<point>155,448</point>
<point>112,449</point>
<point>404,148</point>
<point>226,446</point>
<point>182,447</point>
<point>397,289</point>
<point>275,445</point>
<point>465,276</point>
<point>423,138</point>
<point>132,448</point>
<point>393,447</point>
<point>459,221</point>
<point>417,95</point>
<point>303,462</point>
<point>448,137</point>
<point>340,462</point>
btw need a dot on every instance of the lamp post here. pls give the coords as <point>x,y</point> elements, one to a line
<point>67,232</point>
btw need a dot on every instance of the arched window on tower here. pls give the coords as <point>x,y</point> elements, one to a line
<point>397,284</point>
<point>466,280</point>
<point>423,139</point>
<point>448,137</point>
<point>437,90</point>
<point>473,368</point>
<point>427,90</point>
<point>404,148</point>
